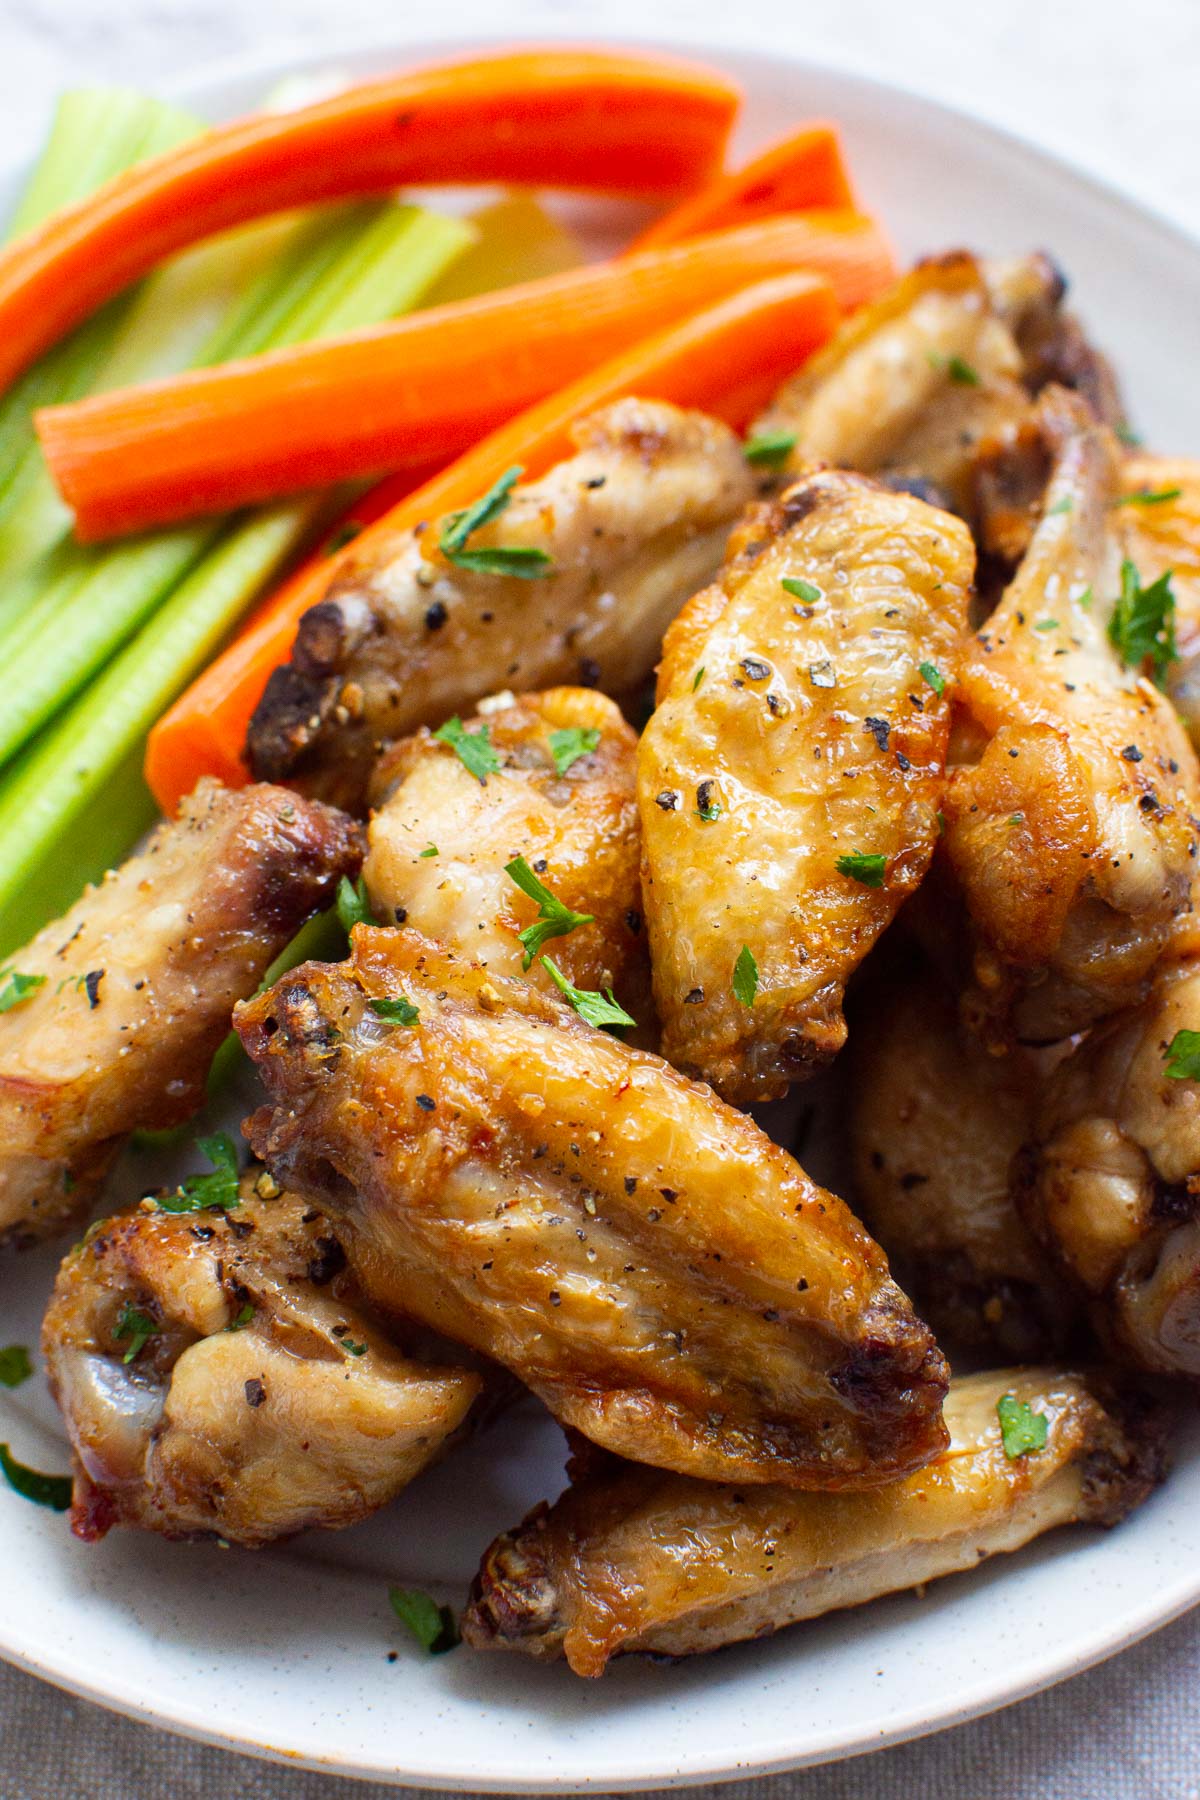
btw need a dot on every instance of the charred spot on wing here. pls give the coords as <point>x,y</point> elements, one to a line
<point>287,720</point>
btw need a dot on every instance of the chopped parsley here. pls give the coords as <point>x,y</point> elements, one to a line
<point>707,808</point>
<point>1182,1056</point>
<point>429,850</point>
<point>17,988</point>
<point>932,676</point>
<point>697,678</point>
<point>395,1012</point>
<point>138,1327</point>
<point>434,1627</point>
<point>53,1491</point>
<point>956,367</point>
<point>457,527</point>
<point>353,906</point>
<point>569,744</point>
<point>352,1348</point>
<point>770,447</point>
<point>1148,497</point>
<point>218,1188</point>
<point>1046,625</point>
<point>1142,627</point>
<point>803,590</point>
<point>15,1366</point>
<point>597,1009</point>
<point>473,749</point>
<point>555,919</point>
<point>243,1317</point>
<point>745,976</point>
<point>1065,505</point>
<point>1021,1429</point>
<point>864,866</point>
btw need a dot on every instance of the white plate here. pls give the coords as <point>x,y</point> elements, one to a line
<point>284,1653</point>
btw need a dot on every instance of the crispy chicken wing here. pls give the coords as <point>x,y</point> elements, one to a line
<point>789,781</point>
<point>441,838</point>
<point>632,1559</point>
<point>1164,534</point>
<point>1114,1183</point>
<point>1074,835</point>
<point>663,1276</point>
<point>632,524</point>
<point>137,982</point>
<point>217,1373</point>
<point>935,1123</point>
<point>946,359</point>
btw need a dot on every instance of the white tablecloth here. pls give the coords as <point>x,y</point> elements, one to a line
<point>1110,84</point>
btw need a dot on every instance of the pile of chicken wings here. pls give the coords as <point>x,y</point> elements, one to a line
<point>914,801</point>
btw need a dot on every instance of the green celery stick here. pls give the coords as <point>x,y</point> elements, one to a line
<point>104,596</point>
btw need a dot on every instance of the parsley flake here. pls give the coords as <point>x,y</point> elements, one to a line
<point>1046,625</point>
<point>1182,1056</point>
<point>1148,497</point>
<point>863,866</point>
<point>53,1491</point>
<point>555,919</point>
<point>395,1012</point>
<point>1021,1429</point>
<point>429,850</point>
<point>596,1009</point>
<point>15,1366</point>
<point>434,1627</point>
<point>803,590</point>
<point>18,988</point>
<point>524,561</point>
<point>1142,627</point>
<point>745,976</point>
<point>1065,505</point>
<point>770,448</point>
<point>138,1327</point>
<point>351,1348</point>
<point>353,906</point>
<point>697,678</point>
<point>956,367</point>
<point>932,676</point>
<point>243,1317</point>
<point>473,749</point>
<point>569,744</point>
<point>218,1188</point>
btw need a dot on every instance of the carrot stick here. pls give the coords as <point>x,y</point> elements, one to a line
<point>402,393</point>
<point>802,170</point>
<point>605,123</point>
<point>727,359</point>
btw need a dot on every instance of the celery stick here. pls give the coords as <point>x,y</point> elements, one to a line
<point>93,612</point>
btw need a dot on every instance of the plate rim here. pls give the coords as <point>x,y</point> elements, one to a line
<point>287,54</point>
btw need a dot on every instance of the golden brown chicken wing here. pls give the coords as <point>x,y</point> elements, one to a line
<point>664,1277</point>
<point>218,1374</point>
<point>935,1123</point>
<point>563,798</point>
<point>1074,834</point>
<point>789,781</point>
<point>627,528</point>
<point>115,1010</point>
<point>632,1559</point>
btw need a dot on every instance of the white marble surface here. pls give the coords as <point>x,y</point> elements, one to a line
<point>1111,84</point>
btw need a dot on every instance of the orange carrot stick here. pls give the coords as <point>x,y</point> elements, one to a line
<point>727,359</point>
<point>802,170</point>
<point>569,118</point>
<point>413,389</point>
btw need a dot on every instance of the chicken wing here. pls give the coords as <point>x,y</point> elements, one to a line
<point>115,1010</point>
<point>1074,835</point>
<point>789,781</point>
<point>218,1374</point>
<point>945,360</point>
<point>935,1123</point>
<point>631,1559</point>
<point>1114,1183</point>
<point>1162,534</point>
<point>441,838</point>
<point>630,525</point>
<point>659,1272</point>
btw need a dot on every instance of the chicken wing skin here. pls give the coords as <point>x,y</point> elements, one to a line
<point>935,1123</point>
<point>440,839</point>
<point>948,358</point>
<point>1164,535</point>
<point>790,779</point>
<point>137,983</point>
<point>632,524</point>
<point>1114,1182</point>
<point>263,1401</point>
<point>631,1559</point>
<point>1074,835</point>
<point>645,1259</point>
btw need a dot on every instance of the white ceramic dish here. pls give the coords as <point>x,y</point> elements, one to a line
<point>285,1653</point>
